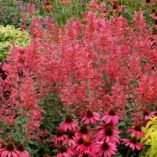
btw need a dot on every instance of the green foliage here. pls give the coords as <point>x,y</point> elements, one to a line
<point>9,36</point>
<point>61,12</point>
<point>131,7</point>
<point>10,14</point>
<point>150,140</point>
<point>52,113</point>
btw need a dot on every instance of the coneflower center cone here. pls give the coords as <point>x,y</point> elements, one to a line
<point>20,147</point>
<point>83,129</point>
<point>71,134</point>
<point>80,141</point>
<point>87,142</point>
<point>89,114</point>
<point>68,118</point>
<point>112,112</point>
<point>145,113</point>
<point>10,147</point>
<point>59,132</point>
<point>108,131</point>
<point>137,127</point>
<point>105,146</point>
<point>133,140</point>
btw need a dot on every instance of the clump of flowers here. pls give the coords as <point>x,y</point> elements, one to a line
<point>87,139</point>
<point>102,66</point>
<point>99,139</point>
<point>10,150</point>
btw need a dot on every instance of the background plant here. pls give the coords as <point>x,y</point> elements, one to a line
<point>62,10</point>
<point>149,141</point>
<point>10,36</point>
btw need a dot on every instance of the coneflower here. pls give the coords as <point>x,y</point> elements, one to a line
<point>9,150</point>
<point>136,131</point>
<point>91,117</point>
<point>64,151</point>
<point>132,143</point>
<point>110,117</point>
<point>69,123</point>
<point>22,151</point>
<point>106,149</point>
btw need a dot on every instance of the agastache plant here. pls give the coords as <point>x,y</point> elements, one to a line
<point>99,65</point>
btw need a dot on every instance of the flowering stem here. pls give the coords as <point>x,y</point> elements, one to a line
<point>128,153</point>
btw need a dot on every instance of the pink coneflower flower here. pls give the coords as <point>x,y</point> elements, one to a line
<point>64,151</point>
<point>83,132</point>
<point>88,146</point>
<point>111,117</point>
<point>109,133</point>
<point>69,123</point>
<point>132,143</point>
<point>78,144</point>
<point>147,115</point>
<point>9,151</point>
<point>91,117</point>
<point>106,149</point>
<point>136,131</point>
<point>71,138</point>
<point>22,151</point>
<point>59,137</point>
<point>117,7</point>
<point>154,113</point>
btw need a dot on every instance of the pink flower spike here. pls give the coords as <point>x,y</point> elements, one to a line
<point>9,151</point>
<point>110,117</point>
<point>69,123</point>
<point>106,149</point>
<point>132,143</point>
<point>91,117</point>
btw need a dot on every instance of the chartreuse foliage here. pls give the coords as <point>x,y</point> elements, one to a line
<point>9,36</point>
<point>150,140</point>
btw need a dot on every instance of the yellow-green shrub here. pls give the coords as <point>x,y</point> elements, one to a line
<point>150,140</point>
<point>9,36</point>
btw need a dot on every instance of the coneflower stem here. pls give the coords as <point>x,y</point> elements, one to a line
<point>128,153</point>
